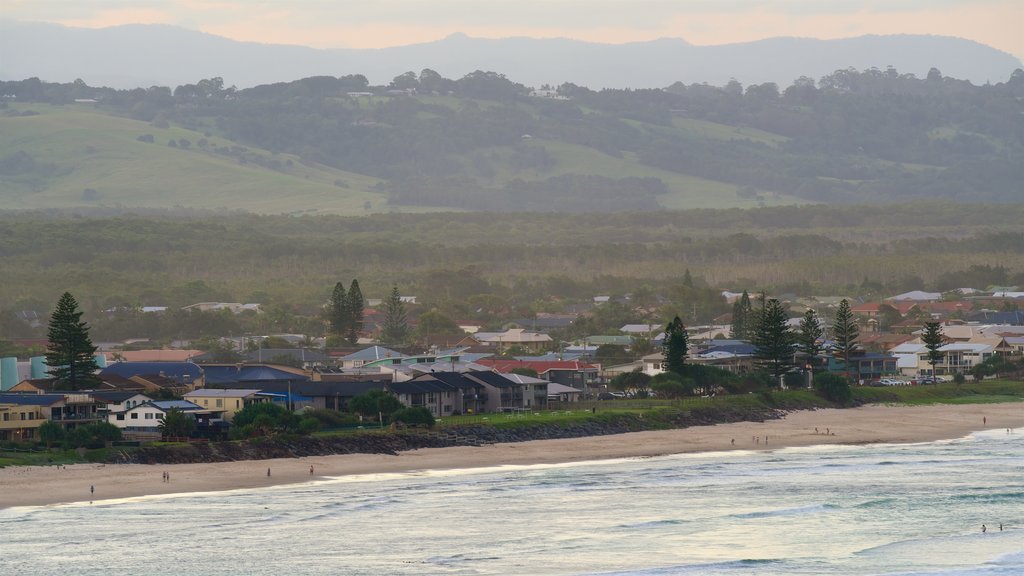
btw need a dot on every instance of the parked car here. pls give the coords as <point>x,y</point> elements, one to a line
<point>611,395</point>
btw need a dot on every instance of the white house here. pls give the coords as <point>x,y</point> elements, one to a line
<point>146,417</point>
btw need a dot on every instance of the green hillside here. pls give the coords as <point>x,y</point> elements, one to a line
<point>77,148</point>
<point>484,143</point>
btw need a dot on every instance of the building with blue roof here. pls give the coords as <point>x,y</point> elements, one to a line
<point>185,374</point>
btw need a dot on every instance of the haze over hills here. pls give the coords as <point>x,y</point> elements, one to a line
<point>144,55</point>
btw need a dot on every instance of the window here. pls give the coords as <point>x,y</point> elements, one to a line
<point>7,416</point>
<point>149,415</point>
<point>120,417</point>
<point>220,403</point>
<point>135,416</point>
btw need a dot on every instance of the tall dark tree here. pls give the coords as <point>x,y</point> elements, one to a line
<point>396,323</point>
<point>742,318</point>
<point>355,312</point>
<point>932,340</point>
<point>773,339</point>
<point>339,312</point>
<point>676,346</point>
<point>70,353</point>
<point>810,332</point>
<point>845,334</point>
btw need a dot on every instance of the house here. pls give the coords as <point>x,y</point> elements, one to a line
<point>441,398</point>
<point>234,307</point>
<point>579,375</point>
<point>467,395</point>
<point>226,400</point>
<point>119,401</point>
<point>307,359</point>
<point>863,366</point>
<point>22,414</point>
<point>640,329</point>
<point>514,337</point>
<point>559,393</point>
<point>157,355</point>
<point>501,393</point>
<point>148,416</point>
<point>535,390</point>
<point>316,395</point>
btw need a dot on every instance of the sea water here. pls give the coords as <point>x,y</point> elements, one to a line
<point>874,509</point>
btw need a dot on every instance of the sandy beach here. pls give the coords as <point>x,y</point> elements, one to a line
<point>45,485</point>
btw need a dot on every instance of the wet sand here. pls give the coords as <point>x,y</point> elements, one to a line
<point>44,485</point>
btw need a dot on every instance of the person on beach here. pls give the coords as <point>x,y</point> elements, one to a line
<point>310,469</point>
<point>268,472</point>
<point>733,441</point>
<point>92,490</point>
<point>983,529</point>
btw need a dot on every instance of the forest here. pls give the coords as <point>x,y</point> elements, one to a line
<point>486,143</point>
<point>474,266</point>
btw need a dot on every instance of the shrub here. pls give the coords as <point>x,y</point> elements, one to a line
<point>413,416</point>
<point>308,425</point>
<point>833,387</point>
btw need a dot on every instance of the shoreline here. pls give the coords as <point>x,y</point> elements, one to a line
<point>54,485</point>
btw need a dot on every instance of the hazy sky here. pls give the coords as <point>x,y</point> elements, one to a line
<point>380,23</point>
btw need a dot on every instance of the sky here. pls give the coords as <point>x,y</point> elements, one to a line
<point>383,23</point>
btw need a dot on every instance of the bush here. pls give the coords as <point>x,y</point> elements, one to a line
<point>308,425</point>
<point>833,387</point>
<point>413,416</point>
<point>333,418</point>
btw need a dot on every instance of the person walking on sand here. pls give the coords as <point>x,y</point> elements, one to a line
<point>983,529</point>
<point>268,472</point>
<point>310,469</point>
<point>92,490</point>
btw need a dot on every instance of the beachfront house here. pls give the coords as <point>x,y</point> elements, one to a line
<point>227,401</point>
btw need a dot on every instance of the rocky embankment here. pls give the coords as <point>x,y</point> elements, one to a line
<point>393,442</point>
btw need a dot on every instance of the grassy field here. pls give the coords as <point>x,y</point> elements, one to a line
<point>79,147</point>
<point>82,148</point>
<point>985,392</point>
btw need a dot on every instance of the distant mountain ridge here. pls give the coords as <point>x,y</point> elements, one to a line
<point>143,55</point>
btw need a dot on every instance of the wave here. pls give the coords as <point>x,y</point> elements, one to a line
<point>812,509</point>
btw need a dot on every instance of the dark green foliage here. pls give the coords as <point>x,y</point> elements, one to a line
<point>71,355</point>
<point>51,433</point>
<point>773,339</point>
<point>355,305</point>
<point>525,372</point>
<point>417,416</point>
<point>177,423</point>
<point>396,321</point>
<point>833,387</point>
<point>810,333</point>
<point>264,419</point>
<point>670,385</point>
<point>632,383</point>
<point>845,335</point>
<point>743,323</point>
<point>932,340</point>
<point>374,403</point>
<point>676,346</point>
<point>94,435</point>
<point>308,425</point>
<point>339,315</point>
<point>332,418</point>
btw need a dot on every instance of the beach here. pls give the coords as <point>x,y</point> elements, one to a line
<point>47,485</point>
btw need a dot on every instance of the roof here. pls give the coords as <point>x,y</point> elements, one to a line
<point>512,336</point>
<point>222,393</point>
<point>917,296</point>
<point>300,354</point>
<point>223,373</point>
<point>115,396</point>
<point>373,353</point>
<point>501,365</point>
<point>492,379</point>
<point>639,328</point>
<point>159,355</point>
<point>180,371</point>
<point>178,404</point>
<point>452,379</point>
<point>31,399</point>
<point>556,388</point>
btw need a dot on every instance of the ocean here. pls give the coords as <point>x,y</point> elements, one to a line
<point>908,509</point>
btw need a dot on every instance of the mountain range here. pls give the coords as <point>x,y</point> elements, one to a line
<point>144,55</point>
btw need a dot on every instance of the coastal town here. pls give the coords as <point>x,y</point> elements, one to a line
<point>518,369</point>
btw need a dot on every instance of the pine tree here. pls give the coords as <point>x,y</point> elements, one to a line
<point>70,353</point>
<point>773,339</point>
<point>396,324</point>
<point>742,318</point>
<point>339,312</point>
<point>844,335</point>
<point>355,312</point>
<point>676,346</point>
<point>932,340</point>
<point>809,334</point>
